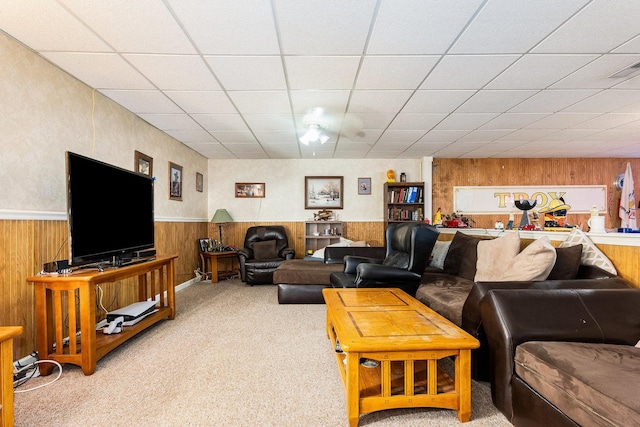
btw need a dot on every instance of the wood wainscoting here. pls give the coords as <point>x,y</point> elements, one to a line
<point>25,245</point>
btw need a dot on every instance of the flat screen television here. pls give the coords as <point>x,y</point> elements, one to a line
<point>109,211</point>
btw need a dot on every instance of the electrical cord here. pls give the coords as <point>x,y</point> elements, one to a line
<point>22,381</point>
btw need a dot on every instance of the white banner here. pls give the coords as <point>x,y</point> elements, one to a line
<point>500,200</point>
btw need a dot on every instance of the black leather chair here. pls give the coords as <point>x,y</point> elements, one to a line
<point>265,248</point>
<point>408,248</point>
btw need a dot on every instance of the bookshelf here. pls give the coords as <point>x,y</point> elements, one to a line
<point>319,234</point>
<point>403,202</point>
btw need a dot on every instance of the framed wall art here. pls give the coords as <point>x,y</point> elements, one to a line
<point>175,181</point>
<point>364,186</point>
<point>143,164</point>
<point>323,192</point>
<point>250,189</point>
<point>199,182</point>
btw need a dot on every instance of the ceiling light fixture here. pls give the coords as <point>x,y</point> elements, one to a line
<point>313,134</point>
<point>626,72</point>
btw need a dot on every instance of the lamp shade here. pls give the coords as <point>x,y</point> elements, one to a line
<point>221,216</point>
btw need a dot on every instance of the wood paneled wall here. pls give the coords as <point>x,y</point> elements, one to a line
<point>448,173</point>
<point>26,244</point>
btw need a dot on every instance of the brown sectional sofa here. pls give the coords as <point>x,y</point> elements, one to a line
<point>565,357</point>
<point>453,293</point>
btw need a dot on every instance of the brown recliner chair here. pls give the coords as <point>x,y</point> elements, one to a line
<point>265,248</point>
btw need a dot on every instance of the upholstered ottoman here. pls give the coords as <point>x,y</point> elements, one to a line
<point>301,282</point>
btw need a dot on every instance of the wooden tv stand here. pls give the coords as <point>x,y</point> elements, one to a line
<point>56,316</point>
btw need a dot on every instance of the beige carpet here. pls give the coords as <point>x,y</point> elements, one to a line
<point>232,357</point>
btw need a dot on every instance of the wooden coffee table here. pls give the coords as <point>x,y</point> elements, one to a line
<point>407,339</point>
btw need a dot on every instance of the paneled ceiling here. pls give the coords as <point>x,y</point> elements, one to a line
<point>410,78</point>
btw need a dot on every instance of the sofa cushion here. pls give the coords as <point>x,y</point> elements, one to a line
<point>439,253</point>
<point>494,256</point>
<point>567,263</point>
<point>265,250</point>
<point>591,255</point>
<point>301,272</point>
<point>534,263</point>
<point>444,294</point>
<point>462,256</point>
<point>593,384</point>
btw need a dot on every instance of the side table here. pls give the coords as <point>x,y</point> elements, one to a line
<point>7,333</point>
<point>213,258</point>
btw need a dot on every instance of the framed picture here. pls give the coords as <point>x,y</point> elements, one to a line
<point>323,192</point>
<point>143,164</point>
<point>364,186</point>
<point>250,189</point>
<point>175,181</point>
<point>199,182</point>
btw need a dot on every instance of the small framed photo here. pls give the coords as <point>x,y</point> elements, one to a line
<point>199,182</point>
<point>323,192</point>
<point>175,181</point>
<point>364,186</point>
<point>143,164</point>
<point>250,189</point>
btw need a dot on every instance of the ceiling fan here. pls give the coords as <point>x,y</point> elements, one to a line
<point>320,125</point>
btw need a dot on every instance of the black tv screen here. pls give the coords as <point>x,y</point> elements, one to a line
<point>110,211</point>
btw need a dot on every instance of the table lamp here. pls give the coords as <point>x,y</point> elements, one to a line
<point>221,217</point>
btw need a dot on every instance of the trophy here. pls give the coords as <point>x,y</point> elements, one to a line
<point>525,205</point>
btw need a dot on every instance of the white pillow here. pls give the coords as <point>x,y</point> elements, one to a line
<point>342,243</point>
<point>439,253</point>
<point>534,263</point>
<point>495,255</point>
<point>591,255</point>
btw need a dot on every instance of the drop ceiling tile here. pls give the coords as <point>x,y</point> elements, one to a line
<point>261,122</point>
<point>394,72</point>
<point>485,135</point>
<point>410,27</point>
<point>175,72</point>
<point>212,150</point>
<point>168,122</point>
<point>605,101</point>
<point>352,146</point>
<point>229,27</point>
<point>333,101</point>
<point>513,121</point>
<point>202,102</point>
<point>436,101</point>
<point>570,135</point>
<point>412,121</point>
<point>447,136</point>
<point>323,28</point>
<point>632,46</point>
<point>131,26</point>
<point>321,72</point>
<point>615,137</point>
<point>539,71</point>
<point>453,71</point>
<point>600,27</point>
<point>191,136</point>
<point>256,102</point>
<point>631,83</point>
<point>527,134</point>
<point>221,122</point>
<point>234,137</point>
<point>375,121</point>
<point>607,121</point>
<point>244,147</point>
<point>365,136</point>
<point>401,137</point>
<point>538,17</point>
<point>275,139</point>
<point>142,101</point>
<point>465,121</point>
<point>100,70</point>
<point>381,101</point>
<point>596,74</point>
<point>562,120</point>
<point>494,101</point>
<point>552,100</point>
<point>50,27</point>
<point>248,72</point>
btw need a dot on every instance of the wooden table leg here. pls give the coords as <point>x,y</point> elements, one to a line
<point>463,384</point>
<point>214,269</point>
<point>353,388</point>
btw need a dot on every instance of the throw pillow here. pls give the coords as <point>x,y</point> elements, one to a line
<point>591,255</point>
<point>494,256</point>
<point>265,250</point>
<point>462,256</point>
<point>534,263</point>
<point>567,263</point>
<point>439,253</point>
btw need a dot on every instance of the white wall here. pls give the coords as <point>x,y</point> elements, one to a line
<point>284,184</point>
<point>45,112</point>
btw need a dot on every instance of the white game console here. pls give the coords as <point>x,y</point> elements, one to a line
<point>133,311</point>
